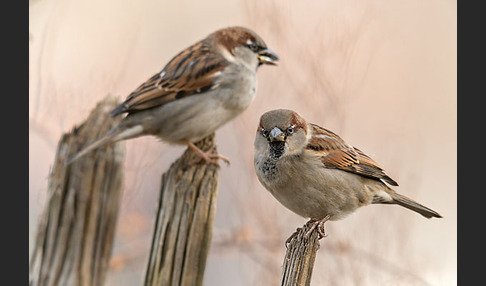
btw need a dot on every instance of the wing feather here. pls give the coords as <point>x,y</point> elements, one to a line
<point>191,72</point>
<point>335,153</point>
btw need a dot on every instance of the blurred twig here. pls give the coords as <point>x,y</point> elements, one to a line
<point>323,63</point>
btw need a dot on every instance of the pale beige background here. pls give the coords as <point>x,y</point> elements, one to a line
<point>382,74</point>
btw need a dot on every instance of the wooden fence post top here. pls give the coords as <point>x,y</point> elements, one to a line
<point>76,230</point>
<point>184,221</point>
<point>299,258</point>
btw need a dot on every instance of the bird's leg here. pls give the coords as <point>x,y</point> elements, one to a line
<point>319,225</point>
<point>206,156</point>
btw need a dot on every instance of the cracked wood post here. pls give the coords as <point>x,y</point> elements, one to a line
<point>299,258</point>
<point>184,221</point>
<point>76,230</point>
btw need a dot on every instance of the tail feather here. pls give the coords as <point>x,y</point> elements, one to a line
<point>92,146</point>
<point>114,135</point>
<point>413,205</point>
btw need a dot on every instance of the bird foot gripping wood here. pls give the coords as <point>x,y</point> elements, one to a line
<point>319,225</point>
<point>314,224</point>
<point>208,156</point>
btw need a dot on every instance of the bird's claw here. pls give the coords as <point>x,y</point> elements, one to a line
<point>207,156</point>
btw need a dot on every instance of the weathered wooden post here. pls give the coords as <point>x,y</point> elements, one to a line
<point>184,221</point>
<point>76,230</point>
<point>299,258</point>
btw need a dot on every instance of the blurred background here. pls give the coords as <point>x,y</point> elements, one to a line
<point>381,74</point>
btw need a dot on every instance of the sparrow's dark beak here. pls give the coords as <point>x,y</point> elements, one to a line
<point>267,57</point>
<point>276,135</point>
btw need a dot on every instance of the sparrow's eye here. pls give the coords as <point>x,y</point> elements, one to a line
<point>253,46</point>
<point>290,130</point>
<point>265,132</point>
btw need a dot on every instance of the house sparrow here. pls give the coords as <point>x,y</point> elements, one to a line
<point>315,174</point>
<point>199,90</point>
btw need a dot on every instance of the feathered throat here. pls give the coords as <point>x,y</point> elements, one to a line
<point>276,149</point>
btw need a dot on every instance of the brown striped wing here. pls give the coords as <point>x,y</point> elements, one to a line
<point>335,153</point>
<point>193,71</point>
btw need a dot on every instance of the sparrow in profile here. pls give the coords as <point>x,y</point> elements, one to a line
<point>199,90</point>
<point>315,174</point>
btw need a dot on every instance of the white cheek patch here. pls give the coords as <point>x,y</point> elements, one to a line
<point>162,73</point>
<point>227,55</point>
